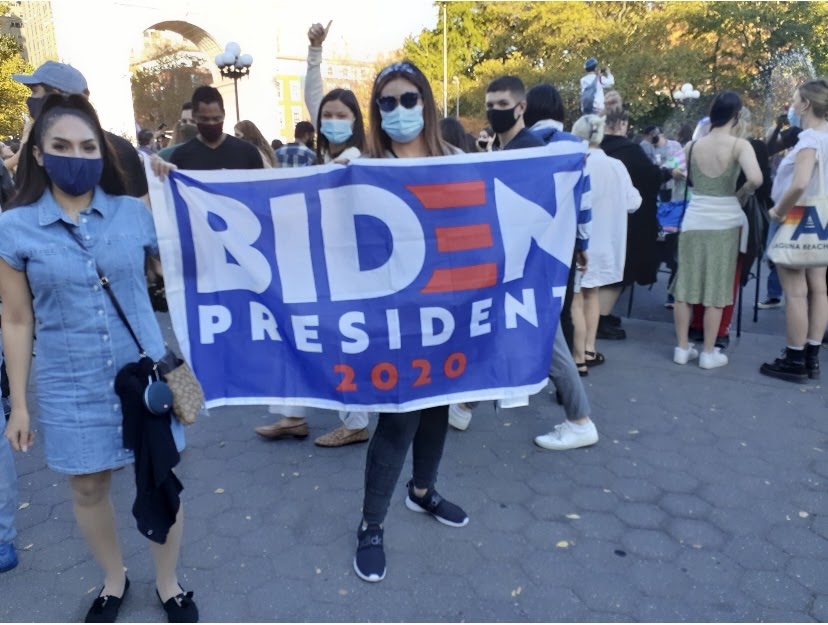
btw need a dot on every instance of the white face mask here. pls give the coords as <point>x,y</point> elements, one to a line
<point>403,125</point>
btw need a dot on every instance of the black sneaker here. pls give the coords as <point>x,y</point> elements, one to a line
<point>812,361</point>
<point>613,320</point>
<point>791,367</point>
<point>695,336</point>
<point>610,333</point>
<point>431,503</point>
<point>369,561</point>
<point>722,342</point>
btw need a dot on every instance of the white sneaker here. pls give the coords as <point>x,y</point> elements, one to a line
<point>564,436</point>
<point>683,356</point>
<point>713,359</point>
<point>459,416</point>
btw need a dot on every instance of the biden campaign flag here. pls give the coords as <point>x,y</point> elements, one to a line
<point>387,284</point>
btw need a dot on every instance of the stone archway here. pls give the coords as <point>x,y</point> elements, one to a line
<point>210,46</point>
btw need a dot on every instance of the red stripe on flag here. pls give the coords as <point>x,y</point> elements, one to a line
<point>794,216</point>
<point>462,278</point>
<point>450,195</point>
<point>460,238</point>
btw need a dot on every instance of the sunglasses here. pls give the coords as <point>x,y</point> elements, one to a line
<point>408,100</point>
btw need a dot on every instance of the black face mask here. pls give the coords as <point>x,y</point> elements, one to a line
<point>655,140</point>
<point>501,120</point>
<point>35,105</point>
<point>482,144</point>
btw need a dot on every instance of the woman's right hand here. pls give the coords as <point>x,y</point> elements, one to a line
<point>17,430</point>
<point>318,33</point>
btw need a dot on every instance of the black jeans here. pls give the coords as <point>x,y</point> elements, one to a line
<point>386,454</point>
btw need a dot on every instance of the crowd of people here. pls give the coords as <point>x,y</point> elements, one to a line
<point>75,224</point>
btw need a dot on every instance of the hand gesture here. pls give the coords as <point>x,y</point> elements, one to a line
<point>318,33</point>
<point>17,430</point>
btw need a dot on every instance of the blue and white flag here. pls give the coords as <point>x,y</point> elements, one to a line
<point>388,285</point>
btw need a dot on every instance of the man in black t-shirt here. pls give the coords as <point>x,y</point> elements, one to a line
<point>213,148</point>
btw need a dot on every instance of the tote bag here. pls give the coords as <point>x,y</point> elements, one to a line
<point>802,240</point>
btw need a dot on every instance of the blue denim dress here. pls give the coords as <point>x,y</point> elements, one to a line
<point>81,341</point>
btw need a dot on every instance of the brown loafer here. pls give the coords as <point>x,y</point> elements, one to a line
<point>277,431</point>
<point>342,436</point>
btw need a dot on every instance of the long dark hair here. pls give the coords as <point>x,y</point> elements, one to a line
<point>452,132</point>
<point>726,106</point>
<point>32,179</point>
<point>378,141</point>
<point>357,140</point>
<point>543,101</point>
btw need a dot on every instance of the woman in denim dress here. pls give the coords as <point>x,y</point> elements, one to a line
<point>69,215</point>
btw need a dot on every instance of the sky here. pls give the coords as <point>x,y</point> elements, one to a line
<point>361,28</point>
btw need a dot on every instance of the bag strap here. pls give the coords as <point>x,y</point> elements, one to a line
<point>689,164</point>
<point>105,285</point>
<point>820,161</point>
<point>121,314</point>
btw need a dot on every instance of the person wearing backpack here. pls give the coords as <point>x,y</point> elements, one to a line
<point>592,87</point>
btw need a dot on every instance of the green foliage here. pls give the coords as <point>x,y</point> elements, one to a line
<point>12,94</point>
<point>651,47</point>
<point>159,90</point>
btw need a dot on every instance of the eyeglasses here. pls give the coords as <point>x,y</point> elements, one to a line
<point>408,100</point>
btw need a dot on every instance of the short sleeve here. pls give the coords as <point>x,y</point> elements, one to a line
<point>9,250</point>
<point>150,238</point>
<point>809,139</point>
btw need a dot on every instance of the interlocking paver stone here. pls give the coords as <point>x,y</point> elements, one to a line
<point>692,515</point>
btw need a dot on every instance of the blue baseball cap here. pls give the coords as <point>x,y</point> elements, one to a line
<point>60,76</point>
<point>591,64</point>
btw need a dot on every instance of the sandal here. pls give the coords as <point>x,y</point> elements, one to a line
<point>583,369</point>
<point>594,359</point>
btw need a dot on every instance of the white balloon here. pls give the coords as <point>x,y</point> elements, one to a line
<point>219,59</point>
<point>687,87</point>
<point>228,58</point>
<point>678,95</point>
<point>696,93</point>
<point>233,48</point>
<point>246,60</point>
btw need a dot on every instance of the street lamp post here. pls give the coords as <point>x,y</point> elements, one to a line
<point>233,64</point>
<point>445,62</point>
<point>456,82</point>
<point>687,92</point>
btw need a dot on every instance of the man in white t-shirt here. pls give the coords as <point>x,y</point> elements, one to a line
<point>598,79</point>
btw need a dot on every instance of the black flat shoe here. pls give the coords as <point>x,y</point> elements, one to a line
<point>105,608</point>
<point>583,371</point>
<point>181,608</point>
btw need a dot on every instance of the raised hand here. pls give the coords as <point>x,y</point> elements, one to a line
<point>318,33</point>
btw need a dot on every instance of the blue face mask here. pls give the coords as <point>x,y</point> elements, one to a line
<point>337,131</point>
<point>793,119</point>
<point>73,176</point>
<point>403,125</point>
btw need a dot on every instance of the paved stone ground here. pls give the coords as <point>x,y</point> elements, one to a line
<point>705,500</point>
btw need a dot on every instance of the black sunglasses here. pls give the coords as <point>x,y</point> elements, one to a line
<point>408,100</point>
